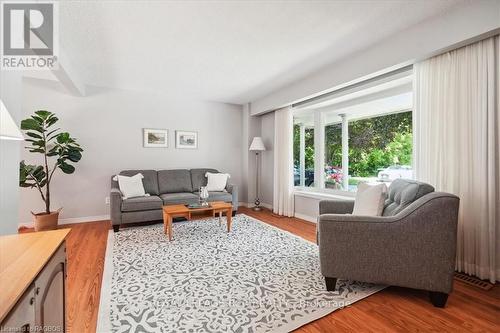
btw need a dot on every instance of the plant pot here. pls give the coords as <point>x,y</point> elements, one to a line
<point>44,221</point>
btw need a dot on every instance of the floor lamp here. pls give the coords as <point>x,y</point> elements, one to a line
<point>257,146</point>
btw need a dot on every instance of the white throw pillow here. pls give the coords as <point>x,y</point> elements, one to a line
<point>217,181</point>
<point>131,186</point>
<point>370,200</point>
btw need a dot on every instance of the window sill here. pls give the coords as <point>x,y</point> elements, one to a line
<point>323,194</point>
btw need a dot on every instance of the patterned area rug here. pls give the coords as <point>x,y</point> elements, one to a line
<point>255,279</point>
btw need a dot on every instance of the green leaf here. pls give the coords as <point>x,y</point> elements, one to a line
<point>23,184</point>
<point>33,135</point>
<point>66,168</point>
<point>63,137</point>
<point>51,121</point>
<point>74,155</point>
<point>38,119</point>
<point>38,143</point>
<point>43,114</point>
<point>31,124</point>
<point>48,135</point>
<point>29,175</point>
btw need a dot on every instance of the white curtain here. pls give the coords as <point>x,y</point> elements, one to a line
<point>457,145</point>
<point>283,200</point>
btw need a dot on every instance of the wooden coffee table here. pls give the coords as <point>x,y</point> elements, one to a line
<point>216,207</point>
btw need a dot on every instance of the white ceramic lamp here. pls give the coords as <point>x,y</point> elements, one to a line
<point>8,128</point>
<point>257,146</point>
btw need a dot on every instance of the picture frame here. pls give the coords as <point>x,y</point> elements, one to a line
<point>155,138</point>
<point>186,140</point>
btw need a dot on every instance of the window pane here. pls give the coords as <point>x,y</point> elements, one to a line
<point>307,174</point>
<point>333,156</point>
<point>380,149</point>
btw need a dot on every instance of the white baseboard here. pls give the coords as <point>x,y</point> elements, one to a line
<point>306,217</point>
<point>72,220</point>
<point>251,204</point>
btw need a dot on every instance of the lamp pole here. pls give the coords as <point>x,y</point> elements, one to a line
<point>257,146</point>
<point>257,200</point>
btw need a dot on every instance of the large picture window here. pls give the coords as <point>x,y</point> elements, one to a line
<point>303,174</point>
<point>367,138</point>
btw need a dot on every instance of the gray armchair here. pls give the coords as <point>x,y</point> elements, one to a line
<point>412,245</point>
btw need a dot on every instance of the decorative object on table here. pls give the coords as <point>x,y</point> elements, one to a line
<point>257,146</point>
<point>8,128</point>
<point>49,142</point>
<point>186,140</point>
<point>155,138</point>
<point>204,196</point>
<point>196,205</point>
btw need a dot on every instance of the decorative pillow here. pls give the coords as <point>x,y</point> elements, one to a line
<point>217,181</point>
<point>370,200</point>
<point>131,186</point>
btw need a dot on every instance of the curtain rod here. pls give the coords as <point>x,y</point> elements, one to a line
<point>353,86</point>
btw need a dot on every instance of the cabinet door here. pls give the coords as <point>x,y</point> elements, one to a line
<point>22,317</point>
<point>50,293</point>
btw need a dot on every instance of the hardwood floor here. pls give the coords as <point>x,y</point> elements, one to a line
<point>392,310</point>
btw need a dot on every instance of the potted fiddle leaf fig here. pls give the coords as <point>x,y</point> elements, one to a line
<point>58,150</point>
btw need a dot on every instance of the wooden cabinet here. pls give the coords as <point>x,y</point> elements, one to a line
<point>22,317</point>
<point>50,293</point>
<point>41,308</point>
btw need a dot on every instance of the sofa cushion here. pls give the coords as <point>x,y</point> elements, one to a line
<point>182,198</point>
<point>174,181</point>
<point>150,179</point>
<point>141,203</point>
<point>217,181</point>
<point>218,196</point>
<point>370,199</point>
<point>402,193</point>
<point>131,187</point>
<point>198,178</point>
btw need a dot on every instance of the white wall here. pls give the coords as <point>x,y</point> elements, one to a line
<point>421,41</point>
<point>108,124</point>
<point>307,208</point>
<point>251,129</point>
<point>11,95</point>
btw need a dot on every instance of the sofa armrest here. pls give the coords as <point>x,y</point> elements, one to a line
<point>233,189</point>
<point>115,203</point>
<point>336,206</point>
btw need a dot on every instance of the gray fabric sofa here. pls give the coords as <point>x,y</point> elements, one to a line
<point>164,187</point>
<point>412,245</point>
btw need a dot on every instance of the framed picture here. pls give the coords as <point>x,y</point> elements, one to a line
<point>155,138</point>
<point>186,140</point>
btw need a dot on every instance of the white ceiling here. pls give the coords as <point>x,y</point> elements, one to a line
<point>228,51</point>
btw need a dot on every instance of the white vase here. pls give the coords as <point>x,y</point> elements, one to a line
<point>204,195</point>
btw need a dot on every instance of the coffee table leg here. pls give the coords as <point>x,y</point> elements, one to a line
<point>169,228</point>
<point>165,222</point>
<point>220,218</point>
<point>229,219</point>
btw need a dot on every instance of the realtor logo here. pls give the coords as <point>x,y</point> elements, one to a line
<point>29,35</point>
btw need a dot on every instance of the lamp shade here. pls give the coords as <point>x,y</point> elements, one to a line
<point>257,144</point>
<point>8,128</point>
